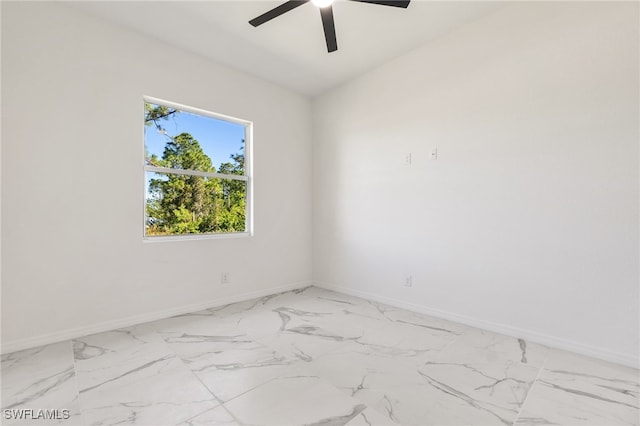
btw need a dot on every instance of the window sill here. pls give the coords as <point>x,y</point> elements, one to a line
<point>192,237</point>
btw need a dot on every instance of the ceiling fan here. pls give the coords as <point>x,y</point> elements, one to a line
<point>326,12</point>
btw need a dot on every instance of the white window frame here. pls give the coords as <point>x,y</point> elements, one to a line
<point>247,177</point>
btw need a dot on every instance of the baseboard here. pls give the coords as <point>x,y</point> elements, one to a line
<point>73,333</point>
<point>532,336</point>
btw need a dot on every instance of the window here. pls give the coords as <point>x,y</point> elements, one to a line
<point>197,172</point>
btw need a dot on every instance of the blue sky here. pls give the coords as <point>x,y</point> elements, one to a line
<point>218,138</point>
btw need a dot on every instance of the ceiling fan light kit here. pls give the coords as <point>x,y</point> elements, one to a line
<point>326,14</point>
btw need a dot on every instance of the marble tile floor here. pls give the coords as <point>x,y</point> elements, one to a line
<point>314,357</point>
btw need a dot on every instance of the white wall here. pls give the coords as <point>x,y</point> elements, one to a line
<point>528,221</point>
<point>73,255</point>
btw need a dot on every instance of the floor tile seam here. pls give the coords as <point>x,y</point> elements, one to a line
<point>387,413</point>
<point>380,411</point>
<point>220,405</point>
<point>275,295</point>
<point>335,387</point>
<point>262,338</point>
<point>224,403</point>
<point>175,353</point>
<point>466,328</point>
<point>318,298</point>
<point>453,341</point>
<point>236,314</point>
<point>180,365</point>
<point>242,393</point>
<point>303,293</point>
<point>269,381</point>
<point>233,416</point>
<point>69,344</point>
<point>343,389</point>
<point>345,341</point>
<point>450,343</point>
<point>359,299</point>
<point>329,352</point>
<point>302,296</point>
<point>153,325</point>
<point>75,378</point>
<point>220,402</point>
<point>530,391</point>
<point>292,359</point>
<point>195,376</point>
<point>321,380</point>
<point>368,405</point>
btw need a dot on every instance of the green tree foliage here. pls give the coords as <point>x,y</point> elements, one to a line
<point>184,204</point>
<point>154,114</point>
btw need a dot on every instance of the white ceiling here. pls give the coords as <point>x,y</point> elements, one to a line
<point>290,50</point>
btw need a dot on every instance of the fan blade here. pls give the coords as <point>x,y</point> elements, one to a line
<point>329,28</point>
<point>277,11</point>
<point>395,3</point>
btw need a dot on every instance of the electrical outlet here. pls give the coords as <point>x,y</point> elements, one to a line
<point>224,278</point>
<point>408,281</point>
<point>407,159</point>
<point>434,154</point>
